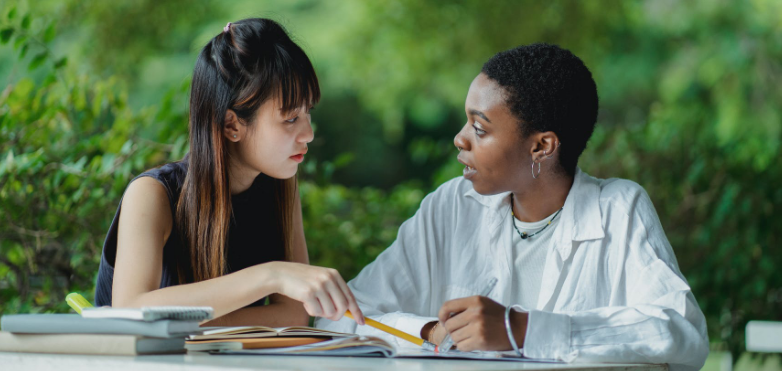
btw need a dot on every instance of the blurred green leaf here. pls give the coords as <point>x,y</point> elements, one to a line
<point>26,21</point>
<point>38,60</point>
<point>5,34</point>
<point>49,34</point>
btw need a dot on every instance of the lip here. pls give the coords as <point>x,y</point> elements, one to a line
<point>299,157</point>
<point>469,171</point>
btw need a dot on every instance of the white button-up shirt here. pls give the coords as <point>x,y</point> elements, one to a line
<point>611,289</point>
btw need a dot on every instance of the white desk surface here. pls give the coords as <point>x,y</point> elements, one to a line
<point>205,362</point>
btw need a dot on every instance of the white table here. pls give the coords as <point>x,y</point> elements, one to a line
<point>764,336</point>
<point>205,362</point>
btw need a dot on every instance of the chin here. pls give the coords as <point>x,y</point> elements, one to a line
<point>282,173</point>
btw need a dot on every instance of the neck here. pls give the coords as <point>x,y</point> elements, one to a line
<point>544,197</point>
<point>240,176</point>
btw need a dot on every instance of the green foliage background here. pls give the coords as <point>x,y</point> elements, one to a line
<point>95,92</point>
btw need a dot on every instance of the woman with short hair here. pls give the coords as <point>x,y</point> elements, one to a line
<point>583,269</point>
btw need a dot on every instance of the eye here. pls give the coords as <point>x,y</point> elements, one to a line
<point>478,131</point>
<point>293,120</point>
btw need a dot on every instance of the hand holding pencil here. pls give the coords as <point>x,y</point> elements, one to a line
<point>400,334</point>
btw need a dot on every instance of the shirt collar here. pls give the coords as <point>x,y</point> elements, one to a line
<point>581,217</point>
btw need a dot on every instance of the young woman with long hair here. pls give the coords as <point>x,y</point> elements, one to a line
<point>223,226</point>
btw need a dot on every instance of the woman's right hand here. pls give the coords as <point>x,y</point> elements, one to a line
<point>322,290</point>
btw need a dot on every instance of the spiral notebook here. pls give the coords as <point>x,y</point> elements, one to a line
<point>149,314</point>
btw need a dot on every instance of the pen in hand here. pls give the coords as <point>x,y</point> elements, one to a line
<point>447,342</point>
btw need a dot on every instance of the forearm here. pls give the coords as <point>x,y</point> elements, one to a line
<point>272,315</point>
<point>225,294</point>
<point>644,333</point>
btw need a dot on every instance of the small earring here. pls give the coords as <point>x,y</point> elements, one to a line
<point>234,135</point>
<point>460,148</point>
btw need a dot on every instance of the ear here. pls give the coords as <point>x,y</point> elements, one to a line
<point>233,129</point>
<point>546,146</point>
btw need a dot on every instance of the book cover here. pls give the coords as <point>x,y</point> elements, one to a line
<point>151,313</point>
<point>129,345</point>
<point>76,324</point>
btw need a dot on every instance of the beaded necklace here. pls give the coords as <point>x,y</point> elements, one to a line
<point>524,235</point>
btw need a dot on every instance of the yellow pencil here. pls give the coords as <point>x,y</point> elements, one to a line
<point>395,332</point>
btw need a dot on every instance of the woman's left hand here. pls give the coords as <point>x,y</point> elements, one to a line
<point>478,323</point>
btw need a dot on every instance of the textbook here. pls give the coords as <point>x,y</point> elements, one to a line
<point>89,344</point>
<point>258,337</point>
<point>76,324</point>
<point>254,332</point>
<point>151,313</point>
<point>370,346</point>
<point>244,343</point>
<point>366,346</point>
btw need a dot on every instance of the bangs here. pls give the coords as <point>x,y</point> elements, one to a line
<point>297,86</point>
<point>282,73</point>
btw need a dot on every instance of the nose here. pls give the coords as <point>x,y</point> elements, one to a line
<point>307,134</point>
<point>461,139</point>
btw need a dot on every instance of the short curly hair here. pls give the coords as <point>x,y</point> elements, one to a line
<point>549,89</point>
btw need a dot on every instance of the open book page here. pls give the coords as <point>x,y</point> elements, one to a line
<point>352,346</point>
<point>376,347</point>
<point>249,332</point>
<point>477,355</point>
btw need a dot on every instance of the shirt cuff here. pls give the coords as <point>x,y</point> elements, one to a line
<point>548,336</point>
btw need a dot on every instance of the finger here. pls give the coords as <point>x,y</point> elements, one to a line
<point>458,321</point>
<point>358,315</point>
<point>452,306</point>
<point>338,299</point>
<point>313,308</point>
<point>326,303</point>
<point>461,334</point>
<point>467,345</point>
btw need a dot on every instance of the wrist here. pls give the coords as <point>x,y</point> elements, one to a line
<point>266,278</point>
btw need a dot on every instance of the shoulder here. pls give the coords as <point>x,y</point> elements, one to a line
<point>146,195</point>
<point>627,209</point>
<point>626,197</point>
<point>171,175</point>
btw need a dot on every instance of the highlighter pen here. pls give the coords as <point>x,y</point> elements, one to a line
<point>77,302</point>
<point>447,342</point>
<point>400,334</point>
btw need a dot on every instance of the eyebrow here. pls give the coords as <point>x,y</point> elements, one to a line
<point>479,114</point>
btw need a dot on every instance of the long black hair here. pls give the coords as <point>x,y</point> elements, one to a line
<point>251,61</point>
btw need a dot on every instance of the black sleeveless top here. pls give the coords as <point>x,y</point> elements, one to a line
<point>253,237</point>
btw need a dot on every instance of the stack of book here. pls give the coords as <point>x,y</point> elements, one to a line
<point>110,331</point>
<point>258,337</point>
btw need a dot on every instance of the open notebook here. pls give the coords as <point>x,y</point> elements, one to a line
<point>220,333</point>
<point>369,346</point>
<point>257,337</point>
